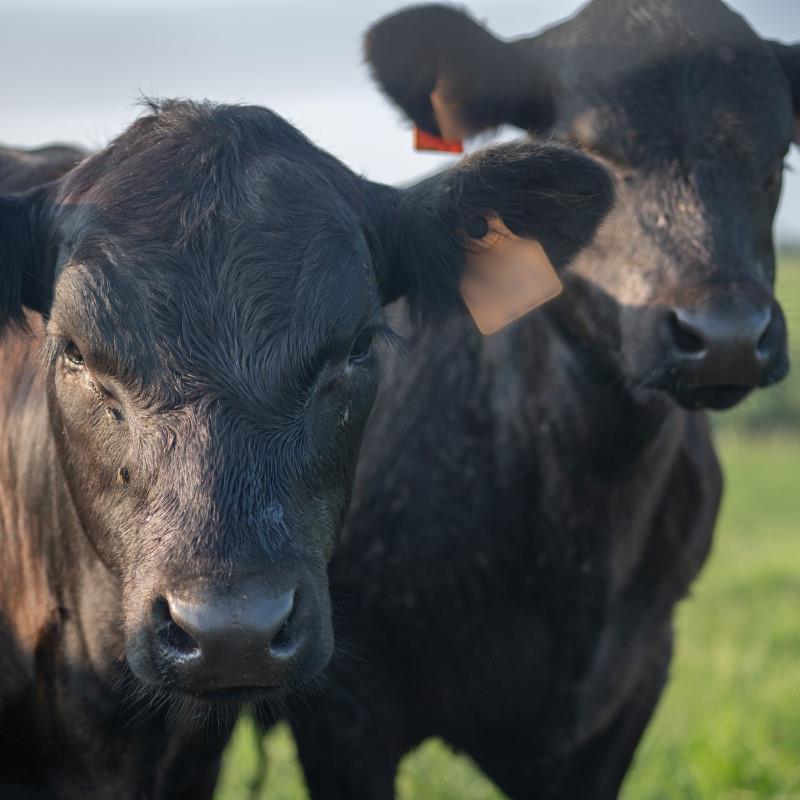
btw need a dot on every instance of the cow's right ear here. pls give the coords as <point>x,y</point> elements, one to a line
<point>549,193</point>
<point>25,271</point>
<point>788,56</point>
<point>454,78</point>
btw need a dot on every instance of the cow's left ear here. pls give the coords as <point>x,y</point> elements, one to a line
<point>788,56</point>
<point>25,269</point>
<point>453,77</point>
<point>540,191</point>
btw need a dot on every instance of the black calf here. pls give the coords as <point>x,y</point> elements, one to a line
<point>176,462</point>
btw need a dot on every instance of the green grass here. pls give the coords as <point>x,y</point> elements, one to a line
<point>728,726</point>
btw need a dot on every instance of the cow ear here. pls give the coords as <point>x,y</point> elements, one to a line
<point>453,77</point>
<point>549,193</point>
<point>25,271</point>
<point>788,56</point>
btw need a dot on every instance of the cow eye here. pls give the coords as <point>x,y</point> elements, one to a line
<point>361,346</point>
<point>72,354</point>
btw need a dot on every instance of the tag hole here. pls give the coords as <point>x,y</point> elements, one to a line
<point>477,228</point>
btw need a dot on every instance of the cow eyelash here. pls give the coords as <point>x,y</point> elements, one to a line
<point>363,345</point>
<point>382,333</point>
<point>70,351</point>
<point>66,348</point>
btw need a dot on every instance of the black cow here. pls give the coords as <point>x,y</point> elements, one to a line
<point>24,169</point>
<point>530,507</point>
<point>176,463</point>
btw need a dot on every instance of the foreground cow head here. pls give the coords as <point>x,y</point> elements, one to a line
<point>212,284</point>
<point>693,113</point>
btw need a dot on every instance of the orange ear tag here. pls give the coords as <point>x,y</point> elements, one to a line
<point>506,277</point>
<point>427,141</point>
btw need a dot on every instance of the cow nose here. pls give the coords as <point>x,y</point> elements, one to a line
<point>244,637</point>
<point>722,348</point>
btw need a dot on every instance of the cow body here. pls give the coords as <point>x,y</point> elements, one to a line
<point>530,507</point>
<point>514,595</point>
<point>188,364</point>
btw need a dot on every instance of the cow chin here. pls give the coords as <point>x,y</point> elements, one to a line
<point>695,397</point>
<point>713,398</point>
<point>698,396</point>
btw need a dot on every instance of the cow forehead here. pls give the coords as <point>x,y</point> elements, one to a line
<point>212,252</point>
<point>194,177</point>
<point>640,74</point>
<point>639,27</point>
<point>718,109</point>
<point>247,319</point>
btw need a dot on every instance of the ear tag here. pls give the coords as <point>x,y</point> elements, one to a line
<point>427,141</point>
<point>447,115</point>
<point>505,277</point>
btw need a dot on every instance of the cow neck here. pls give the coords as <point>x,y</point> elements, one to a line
<point>595,460</point>
<point>573,397</point>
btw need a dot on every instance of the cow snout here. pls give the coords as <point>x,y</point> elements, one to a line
<point>721,353</point>
<point>721,348</point>
<point>244,637</point>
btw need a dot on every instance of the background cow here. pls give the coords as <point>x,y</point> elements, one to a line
<point>24,169</point>
<point>531,506</point>
<point>176,463</point>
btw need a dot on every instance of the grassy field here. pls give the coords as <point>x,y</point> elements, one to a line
<point>728,727</point>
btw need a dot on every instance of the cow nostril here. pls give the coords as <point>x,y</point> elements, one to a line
<point>281,642</point>
<point>180,642</point>
<point>285,640</point>
<point>764,344</point>
<point>685,337</point>
<point>172,637</point>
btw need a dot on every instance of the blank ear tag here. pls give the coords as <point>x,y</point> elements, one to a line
<point>506,277</point>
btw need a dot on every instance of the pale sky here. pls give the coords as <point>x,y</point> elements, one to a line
<point>71,71</point>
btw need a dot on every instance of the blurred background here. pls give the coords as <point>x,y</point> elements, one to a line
<point>73,69</point>
<point>728,727</point>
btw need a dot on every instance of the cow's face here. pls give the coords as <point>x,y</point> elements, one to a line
<point>694,115</point>
<point>213,286</point>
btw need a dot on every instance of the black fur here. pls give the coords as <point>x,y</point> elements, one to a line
<point>209,286</point>
<point>23,253</point>
<point>529,508</point>
<point>22,169</point>
<point>789,58</point>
